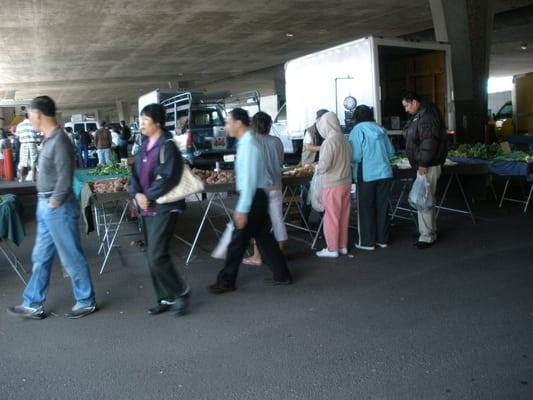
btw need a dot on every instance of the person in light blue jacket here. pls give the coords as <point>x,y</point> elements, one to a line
<point>371,154</point>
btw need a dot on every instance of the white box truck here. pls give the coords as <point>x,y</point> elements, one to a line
<point>375,72</point>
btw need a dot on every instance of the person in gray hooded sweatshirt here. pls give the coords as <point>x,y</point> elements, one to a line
<point>335,170</point>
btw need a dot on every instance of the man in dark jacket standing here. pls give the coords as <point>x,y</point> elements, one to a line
<point>427,148</point>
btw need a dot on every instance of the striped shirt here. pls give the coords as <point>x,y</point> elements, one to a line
<point>26,133</point>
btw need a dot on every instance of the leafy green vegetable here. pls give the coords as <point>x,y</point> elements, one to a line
<point>110,170</point>
<point>477,150</point>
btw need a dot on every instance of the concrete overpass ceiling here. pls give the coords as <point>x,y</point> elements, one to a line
<point>96,52</point>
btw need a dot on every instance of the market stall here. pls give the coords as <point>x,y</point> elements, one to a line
<point>104,202</point>
<point>11,231</point>
<point>500,161</point>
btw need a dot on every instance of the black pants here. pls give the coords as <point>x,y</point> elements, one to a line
<point>258,227</point>
<point>123,149</point>
<point>158,232</point>
<point>374,221</point>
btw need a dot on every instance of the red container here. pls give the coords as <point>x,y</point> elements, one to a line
<point>9,172</point>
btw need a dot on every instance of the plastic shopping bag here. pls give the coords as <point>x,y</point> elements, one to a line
<point>315,194</point>
<point>221,250</point>
<point>420,196</point>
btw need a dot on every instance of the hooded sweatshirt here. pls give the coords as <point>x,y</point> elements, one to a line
<point>334,165</point>
<point>371,147</point>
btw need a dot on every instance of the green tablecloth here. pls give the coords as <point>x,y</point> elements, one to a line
<point>11,226</point>
<point>83,177</point>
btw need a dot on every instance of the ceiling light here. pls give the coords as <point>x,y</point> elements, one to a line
<point>524,46</point>
<point>289,35</point>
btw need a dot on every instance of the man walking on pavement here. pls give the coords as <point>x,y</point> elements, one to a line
<point>28,148</point>
<point>58,215</point>
<point>427,148</point>
<point>103,142</point>
<point>251,216</point>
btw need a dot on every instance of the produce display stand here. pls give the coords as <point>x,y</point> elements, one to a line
<point>11,231</point>
<point>453,174</point>
<point>510,170</point>
<point>521,171</point>
<point>215,198</point>
<point>291,187</point>
<point>103,212</point>
<point>214,195</point>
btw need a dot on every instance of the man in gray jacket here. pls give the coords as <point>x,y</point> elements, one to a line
<point>58,215</point>
<point>427,148</point>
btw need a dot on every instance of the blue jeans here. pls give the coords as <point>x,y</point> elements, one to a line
<point>104,156</point>
<point>83,154</point>
<point>58,231</point>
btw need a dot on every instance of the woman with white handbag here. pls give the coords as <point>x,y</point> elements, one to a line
<point>157,171</point>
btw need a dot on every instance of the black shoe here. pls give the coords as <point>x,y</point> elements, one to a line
<point>272,282</point>
<point>217,288</point>
<point>159,308</point>
<point>424,245</point>
<point>81,312</point>
<point>26,312</point>
<point>181,304</point>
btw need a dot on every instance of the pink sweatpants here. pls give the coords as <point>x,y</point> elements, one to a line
<point>336,220</point>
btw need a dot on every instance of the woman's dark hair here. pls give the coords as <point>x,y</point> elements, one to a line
<point>156,112</point>
<point>410,96</point>
<point>363,113</point>
<point>239,114</point>
<point>261,123</point>
<point>45,105</point>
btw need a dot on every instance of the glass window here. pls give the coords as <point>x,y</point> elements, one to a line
<point>78,128</point>
<point>506,111</point>
<point>91,126</point>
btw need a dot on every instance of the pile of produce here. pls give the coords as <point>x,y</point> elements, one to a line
<point>515,156</point>
<point>478,150</point>
<point>109,185</point>
<point>304,170</point>
<point>114,169</point>
<point>213,177</point>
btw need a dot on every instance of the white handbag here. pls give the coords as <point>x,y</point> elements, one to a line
<point>189,183</point>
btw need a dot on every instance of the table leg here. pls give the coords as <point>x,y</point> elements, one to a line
<point>13,260</point>
<point>529,198</point>
<point>110,247</point>
<point>199,231</point>
<point>504,191</point>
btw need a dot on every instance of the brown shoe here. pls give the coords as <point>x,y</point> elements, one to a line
<point>217,288</point>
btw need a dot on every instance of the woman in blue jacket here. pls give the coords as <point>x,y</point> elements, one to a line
<point>371,154</point>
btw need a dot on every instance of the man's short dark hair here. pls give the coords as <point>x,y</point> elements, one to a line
<point>68,129</point>
<point>103,123</point>
<point>123,122</point>
<point>363,113</point>
<point>409,96</point>
<point>156,112</point>
<point>240,114</point>
<point>321,112</point>
<point>45,105</point>
<point>261,123</point>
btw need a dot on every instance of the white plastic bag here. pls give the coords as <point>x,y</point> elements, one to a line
<point>315,194</point>
<point>135,149</point>
<point>420,196</point>
<point>221,250</point>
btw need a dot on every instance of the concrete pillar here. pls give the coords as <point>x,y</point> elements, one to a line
<point>3,122</point>
<point>467,26</point>
<point>98,116</point>
<point>123,111</point>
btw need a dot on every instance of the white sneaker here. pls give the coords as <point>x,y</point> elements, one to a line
<point>368,248</point>
<point>327,253</point>
<point>343,252</point>
<point>382,245</point>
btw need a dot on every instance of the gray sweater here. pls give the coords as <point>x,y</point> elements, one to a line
<point>274,157</point>
<point>56,166</point>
